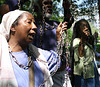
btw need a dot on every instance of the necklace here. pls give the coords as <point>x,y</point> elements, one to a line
<point>21,65</point>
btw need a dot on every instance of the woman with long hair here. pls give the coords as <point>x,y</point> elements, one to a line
<point>83,63</point>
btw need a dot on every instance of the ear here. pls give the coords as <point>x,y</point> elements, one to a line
<point>13,29</point>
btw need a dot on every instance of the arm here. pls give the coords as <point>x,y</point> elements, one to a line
<point>67,13</point>
<point>60,42</point>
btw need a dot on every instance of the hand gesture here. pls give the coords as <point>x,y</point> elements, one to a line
<point>61,27</point>
<point>86,31</point>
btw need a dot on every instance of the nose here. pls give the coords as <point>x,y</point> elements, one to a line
<point>33,29</point>
<point>85,27</point>
<point>34,26</point>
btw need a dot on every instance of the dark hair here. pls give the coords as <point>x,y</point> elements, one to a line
<point>76,34</point>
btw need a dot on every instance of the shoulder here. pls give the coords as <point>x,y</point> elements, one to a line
<point>44,52</point>
<point>76,42</point>
<point>55,22</point>
<point>38,52</point>
<point>47,53</point>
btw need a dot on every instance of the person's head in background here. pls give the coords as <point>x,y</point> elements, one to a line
<point>10,5</point>
<point>43,8</point>
<point>82,30</point>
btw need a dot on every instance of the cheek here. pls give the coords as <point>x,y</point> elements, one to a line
<point>23,30</point>
<point>22,33</point>
<point>81,28</point>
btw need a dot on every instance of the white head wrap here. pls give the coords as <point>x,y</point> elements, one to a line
<point>7,22</point>
<point>7,76</point>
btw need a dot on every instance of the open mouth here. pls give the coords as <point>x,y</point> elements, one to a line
<point>31,36</point>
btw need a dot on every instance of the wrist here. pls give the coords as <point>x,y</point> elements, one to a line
<point>58,36</point>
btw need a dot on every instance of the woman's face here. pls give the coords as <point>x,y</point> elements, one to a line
<point>84,28</point>
<point>83,25</point>
<point>26,28</point>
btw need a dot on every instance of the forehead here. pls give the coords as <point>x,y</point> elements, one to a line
<point>27,15</point>
<point>83,22</point>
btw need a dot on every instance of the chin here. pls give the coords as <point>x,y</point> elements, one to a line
<point>29,41</point>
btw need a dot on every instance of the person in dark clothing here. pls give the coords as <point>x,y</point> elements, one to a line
<point>45,37</point>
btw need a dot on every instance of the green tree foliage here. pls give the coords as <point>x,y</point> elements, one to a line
<point>86,7</point>
<point>93,28</point>
<point>2,1</point>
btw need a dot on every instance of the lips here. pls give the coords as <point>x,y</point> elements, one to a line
<point>31,36</point>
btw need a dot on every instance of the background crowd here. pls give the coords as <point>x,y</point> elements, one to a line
<point>47,57</point>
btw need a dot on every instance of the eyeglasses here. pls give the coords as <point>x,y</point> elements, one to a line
<point>83,25</point>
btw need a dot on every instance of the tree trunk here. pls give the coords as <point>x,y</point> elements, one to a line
<point>99,8</point>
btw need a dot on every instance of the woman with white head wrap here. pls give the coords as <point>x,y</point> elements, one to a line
<point>6,70</point>
<point>17,31</point>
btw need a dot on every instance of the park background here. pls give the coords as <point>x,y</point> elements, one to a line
<point>88,9</point>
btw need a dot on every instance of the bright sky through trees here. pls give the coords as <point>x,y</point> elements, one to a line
<point>60,5</point>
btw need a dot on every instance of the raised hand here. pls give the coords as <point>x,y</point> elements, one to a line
<point>61,27</point>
